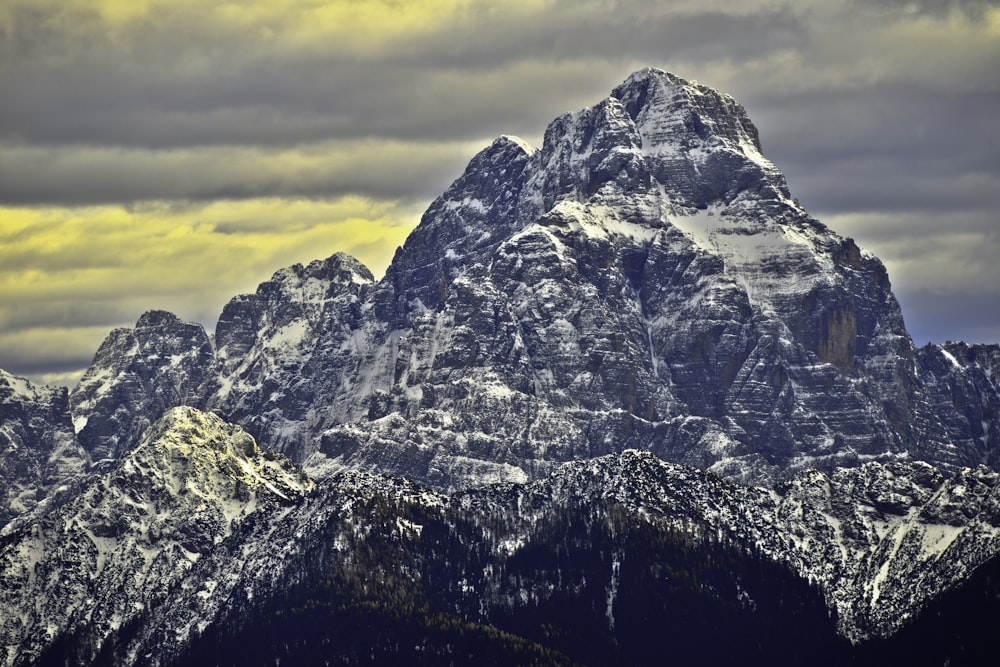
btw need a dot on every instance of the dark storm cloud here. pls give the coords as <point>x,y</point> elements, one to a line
<point>175,82</point>
<point>895,185</point>
<point>883,115</point>
<point>916,121</point>
<point>36,364</point>
<point>83,175</point>
<point>429,87</point>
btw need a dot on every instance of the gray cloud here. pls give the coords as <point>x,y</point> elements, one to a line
<point>937,8</point>
<point>432,86</point>
<point>882,115</point>
<point>931,316</point>
<point>78,175</point>
<point>886,148</point>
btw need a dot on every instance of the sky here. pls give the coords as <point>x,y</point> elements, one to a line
<point>174,154</point>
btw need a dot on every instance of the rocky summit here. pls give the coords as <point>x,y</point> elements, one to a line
<point>643,280</point>
<point>612,392</point>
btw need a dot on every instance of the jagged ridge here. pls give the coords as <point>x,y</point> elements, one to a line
<point>643,280</point>
<point>197,536</point>
<point>78,574</point>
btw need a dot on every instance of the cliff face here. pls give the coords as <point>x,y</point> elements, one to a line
<point>963,385</point>
<point>39,454</point>
<point>643,280</point>
<point>285,352</point>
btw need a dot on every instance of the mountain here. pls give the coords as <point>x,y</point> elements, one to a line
<point>138,374</point>
<point>83,571</point>
<point>612,395</point>
<point>644,280</point>
<point>197,547</point>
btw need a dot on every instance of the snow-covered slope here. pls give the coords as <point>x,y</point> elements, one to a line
<point>85,570</point>
<point>196,536</point>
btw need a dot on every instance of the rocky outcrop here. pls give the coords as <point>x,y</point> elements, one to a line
<point>137,374</point>
<point>39,453</point>
<point>79,574</point>
<point>571,359</point>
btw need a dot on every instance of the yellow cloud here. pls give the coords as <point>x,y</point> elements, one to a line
<point>993,21</point>
<point>102,266</point>
<point>360,26</point>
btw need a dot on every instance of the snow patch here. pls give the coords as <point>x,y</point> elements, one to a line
<point>289,336</point>
<point>616,566</point>
<point>950,357</point>
<point>524,145</point>
<point>79,423</point>
<point>937,538</point>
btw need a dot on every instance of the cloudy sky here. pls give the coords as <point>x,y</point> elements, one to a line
<point>171,154</point>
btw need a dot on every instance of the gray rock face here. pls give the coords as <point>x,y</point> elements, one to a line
<point>963,382</point>
<point>287,353</point>
<point>137,374</point>
<point>38,450</point>
<point>644,280</point>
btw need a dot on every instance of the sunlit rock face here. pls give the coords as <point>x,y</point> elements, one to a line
<point>642,280</point>
<point>117,550</point>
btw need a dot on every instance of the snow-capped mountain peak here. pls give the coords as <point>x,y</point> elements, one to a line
<point>618,375</point>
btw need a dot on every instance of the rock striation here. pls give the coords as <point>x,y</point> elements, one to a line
<point>963,382</point>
